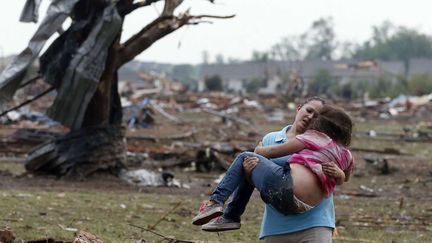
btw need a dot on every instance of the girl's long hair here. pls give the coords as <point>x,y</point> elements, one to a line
<point>334,122</point>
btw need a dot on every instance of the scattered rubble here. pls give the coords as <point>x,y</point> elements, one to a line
<point>7,235</point>
<point>171,127</point>
<point>87,237</point>
<point>201,132</point>
<point>144,177</point>
<point>379,164</point>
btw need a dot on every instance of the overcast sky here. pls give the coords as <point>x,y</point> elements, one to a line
<point>257,25</point>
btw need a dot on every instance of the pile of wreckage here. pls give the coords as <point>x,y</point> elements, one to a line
<point>191,132</point>
<point>7,235</point>
<point>170,128</point>
<point>402,106</point>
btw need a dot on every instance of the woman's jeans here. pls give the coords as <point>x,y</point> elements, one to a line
<point>272,181</point>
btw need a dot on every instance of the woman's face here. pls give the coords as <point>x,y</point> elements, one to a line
<point>305,114</point>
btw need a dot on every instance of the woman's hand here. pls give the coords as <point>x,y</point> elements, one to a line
<point>331,169</point>
<point>249,164</point>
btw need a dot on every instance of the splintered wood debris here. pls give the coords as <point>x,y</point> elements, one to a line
<point>204,132</point>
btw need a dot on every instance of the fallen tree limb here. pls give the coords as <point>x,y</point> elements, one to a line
<point>27,101</point>
<point>164,216</point>
<point>164,113</point>
<point>232,118</point>
<point>360,194</point>
<point>172,137</point>
<point>158,234</point>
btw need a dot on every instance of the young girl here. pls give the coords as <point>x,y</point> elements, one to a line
<point>325,141</point>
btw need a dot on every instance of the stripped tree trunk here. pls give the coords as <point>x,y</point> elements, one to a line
<point>97,141</point>
<point>80,153</point>
<point>99,145</point>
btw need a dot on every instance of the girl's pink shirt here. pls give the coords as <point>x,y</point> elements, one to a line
<point>320,149</point>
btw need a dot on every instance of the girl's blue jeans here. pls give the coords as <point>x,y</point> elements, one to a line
<point>274,183</point>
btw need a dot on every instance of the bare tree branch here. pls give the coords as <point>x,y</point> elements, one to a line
<point>196,22</point>
<point>126,8</point>
<point>157,29</point>
<point>170,6</point>
<point>160,27</point>
<point>199,22</point>
<point>27,101</point>
<point>30,81</point>
<point>213,16</point>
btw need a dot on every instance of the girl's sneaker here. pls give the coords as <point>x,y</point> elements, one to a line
<point>221,224</point>
<point>207,212</point>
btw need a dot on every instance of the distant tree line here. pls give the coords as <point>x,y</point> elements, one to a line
<point>388,43</point>
<point>324,84</point>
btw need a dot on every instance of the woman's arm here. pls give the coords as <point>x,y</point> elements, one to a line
<point>274,151</point>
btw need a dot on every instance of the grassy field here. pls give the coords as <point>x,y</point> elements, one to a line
<point>372,207</point>
<point>114,217</point>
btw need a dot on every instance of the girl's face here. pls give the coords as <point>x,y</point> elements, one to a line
<point>305,114</point>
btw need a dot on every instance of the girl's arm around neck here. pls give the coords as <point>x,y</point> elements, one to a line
<point>347,175</point>
<point>274,151</point>
<point>331,169</point>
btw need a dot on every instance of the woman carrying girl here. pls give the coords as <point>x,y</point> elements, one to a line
<point>324,141</point>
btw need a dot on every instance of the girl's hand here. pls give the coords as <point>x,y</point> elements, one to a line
<point>331,169</point>
<point>249,164</point>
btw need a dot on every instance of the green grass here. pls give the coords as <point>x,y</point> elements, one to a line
<point>385,219</point>
<point>39,215</point>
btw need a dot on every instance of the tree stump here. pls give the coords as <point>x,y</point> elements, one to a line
<point>81,153</point>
